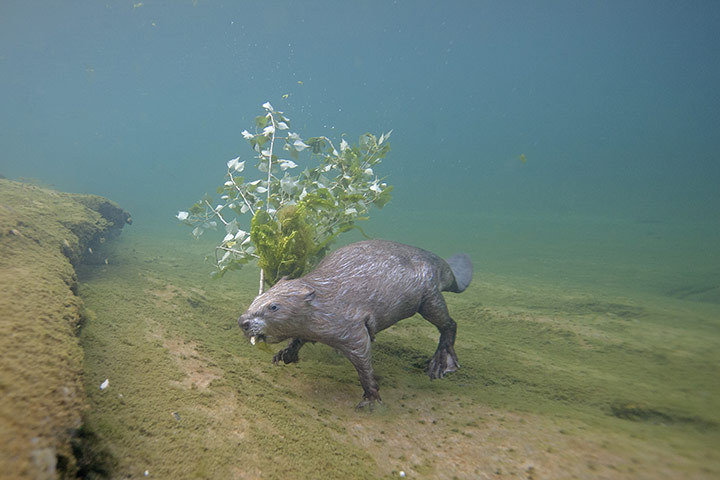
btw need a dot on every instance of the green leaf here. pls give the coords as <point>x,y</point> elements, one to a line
<point>316,143</point>
<point>261,140</point>
<point>197,209</point>
<point>261,121</point>
<point>384,197</point>
<point>367,141</point>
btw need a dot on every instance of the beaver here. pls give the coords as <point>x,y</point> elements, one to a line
<point>355,292</point>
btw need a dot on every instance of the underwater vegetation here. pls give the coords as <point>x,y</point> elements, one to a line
<point>330,195</point>
<point>283,245</point>
<point>43,235</point>
<point>554,383</point>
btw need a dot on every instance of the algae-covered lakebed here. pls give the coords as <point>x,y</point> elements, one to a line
<point>555,382</point>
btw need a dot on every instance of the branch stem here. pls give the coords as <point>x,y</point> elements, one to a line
<point>216,213</point>
<point>267,202</point>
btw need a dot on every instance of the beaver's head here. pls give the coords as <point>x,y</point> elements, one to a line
<point>279,313</point>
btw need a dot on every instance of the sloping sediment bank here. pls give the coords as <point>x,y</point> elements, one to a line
<point>43,235</point>
<point>554,384</point>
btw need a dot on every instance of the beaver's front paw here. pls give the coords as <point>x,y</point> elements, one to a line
<point>444,361</point>
<point>286,355</point>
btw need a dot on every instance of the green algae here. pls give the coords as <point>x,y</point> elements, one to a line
<point>544,375</point>
<point>237,422</point>
<point>284,246</point>
<point>41,233</point>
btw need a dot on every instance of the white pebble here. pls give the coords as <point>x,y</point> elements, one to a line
<point>146,473</point>
<point>402,474</point>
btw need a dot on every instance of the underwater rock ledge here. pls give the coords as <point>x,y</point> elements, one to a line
<point>43,234</point>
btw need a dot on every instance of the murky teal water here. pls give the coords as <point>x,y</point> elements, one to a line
<point>613,106</point>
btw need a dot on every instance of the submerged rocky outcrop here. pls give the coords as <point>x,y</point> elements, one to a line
<point>43,234</point>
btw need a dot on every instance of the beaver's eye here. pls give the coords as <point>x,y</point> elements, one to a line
<point>273,307</point>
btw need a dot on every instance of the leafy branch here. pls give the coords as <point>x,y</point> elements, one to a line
<point>295,217</point>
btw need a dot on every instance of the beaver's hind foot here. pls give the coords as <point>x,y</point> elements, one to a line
<point>443,362</point>
<point>369,400</point>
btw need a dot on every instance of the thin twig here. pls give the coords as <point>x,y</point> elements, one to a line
<point>267,202</point>
<point>215,212</point>
<point>238,252</point>
<point>272,146</point>
<point>241,193</point>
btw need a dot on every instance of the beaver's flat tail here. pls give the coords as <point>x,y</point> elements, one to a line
<point>462,268</point>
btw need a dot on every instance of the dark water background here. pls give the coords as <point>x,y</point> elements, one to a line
<point>615,106</point>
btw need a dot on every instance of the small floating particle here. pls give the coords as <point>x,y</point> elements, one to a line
<point>90,250</point>
<point>105,384</point>
<point>106,261</point>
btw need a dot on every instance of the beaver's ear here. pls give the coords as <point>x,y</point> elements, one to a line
<point>308,293</point>
<point>310,296</point>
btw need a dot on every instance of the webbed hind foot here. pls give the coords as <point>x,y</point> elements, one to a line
<point>369,400</point>
<point>443,362</point>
